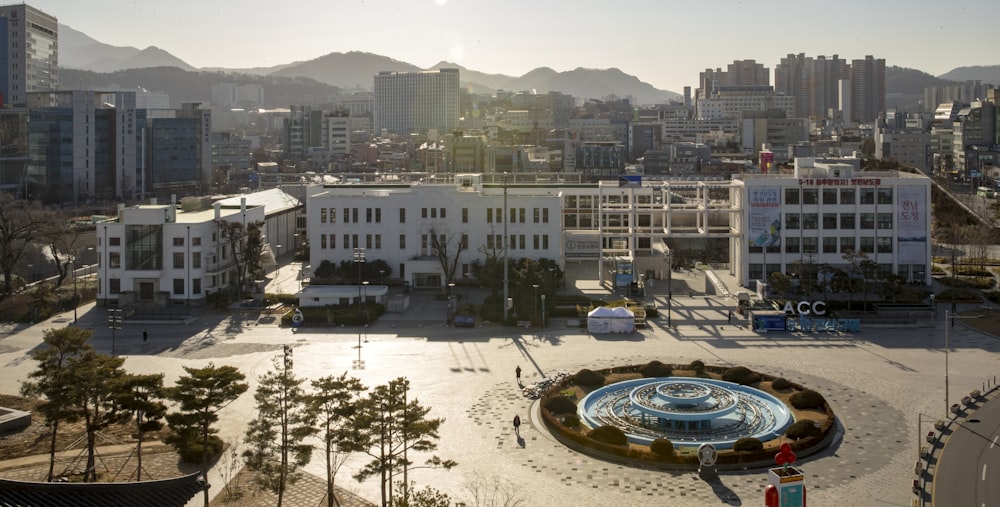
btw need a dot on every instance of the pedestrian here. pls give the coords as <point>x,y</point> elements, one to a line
<point>145,336</point>
<point>730,316</point>
<point>517,425</point>
<point>517,372</point>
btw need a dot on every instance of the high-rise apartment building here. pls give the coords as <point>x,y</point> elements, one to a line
<point>407,102</point>
<point>738,73</point>
<point>30,62</point>
<point>814,82</point>
<point>867,89</point>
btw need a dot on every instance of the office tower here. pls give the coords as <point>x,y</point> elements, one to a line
<point>867,88</point>
<point>31,59</point>
<point>407,102</point>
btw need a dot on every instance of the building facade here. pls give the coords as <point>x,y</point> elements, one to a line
<point>409,102</point>
<point>30,61</point>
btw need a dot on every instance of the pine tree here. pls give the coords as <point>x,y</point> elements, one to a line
<point>332,406</point>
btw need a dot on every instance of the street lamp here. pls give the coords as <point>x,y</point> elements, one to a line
<point>670,288</point>
<point>949,321</point>
<point>451,304</point>
<point>381,274</point>
<point>535,286</point>
<point>359,259</point>
<point>543,310</point>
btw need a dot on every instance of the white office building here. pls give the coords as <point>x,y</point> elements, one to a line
<point>413,102</point>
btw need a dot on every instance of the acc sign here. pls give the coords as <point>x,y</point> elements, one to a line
<point>806,307</point>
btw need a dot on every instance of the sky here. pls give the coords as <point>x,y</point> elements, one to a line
<point>665,43</point>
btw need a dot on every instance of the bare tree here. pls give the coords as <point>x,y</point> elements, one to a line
<point>60,240</point>
<point>20,224</point>
<point>443,247</point>
<point>246,246</point>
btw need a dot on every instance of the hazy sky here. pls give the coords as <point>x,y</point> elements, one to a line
<point>663,42</point>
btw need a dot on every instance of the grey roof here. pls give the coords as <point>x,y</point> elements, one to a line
<point>166,493</point>
<point>273,200</point>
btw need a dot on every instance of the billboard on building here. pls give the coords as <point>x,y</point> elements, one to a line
<point>911,225</point>
<point>765,217</point>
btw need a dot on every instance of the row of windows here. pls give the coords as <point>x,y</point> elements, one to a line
<point>841,245</point>
<point>351,241</point>
<point>374,215</point>
<point>838,195</point>
<point>115,286</point>
<point>115,260</point>
<point>795,221</point>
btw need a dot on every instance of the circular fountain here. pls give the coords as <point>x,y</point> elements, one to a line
<point>687,411</point>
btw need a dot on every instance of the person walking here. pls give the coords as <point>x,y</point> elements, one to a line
<point>145,336</point>
<point>517,425</point>
<point>517,373</point>
<point>730,316</point>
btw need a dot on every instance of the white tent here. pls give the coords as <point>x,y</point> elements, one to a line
<point>610,320</point>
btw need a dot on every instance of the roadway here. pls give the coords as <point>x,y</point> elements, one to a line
<point>969,463</point>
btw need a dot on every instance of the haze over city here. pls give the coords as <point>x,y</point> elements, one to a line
<point>663,43</point>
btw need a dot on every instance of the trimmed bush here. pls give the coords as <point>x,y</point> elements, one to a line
<point>802,429</point>
<point>571,421</point>
<point>806,399</point>
<point>656,369</point>
<point>741,375</point>
<point>560,405</point>
<point>608,435</point>
<point>662,447</point>
<point>698,366</point>
<point>780,383</point>
<point>588,378</point>
<point>190,452</point>
<point>748,444</point>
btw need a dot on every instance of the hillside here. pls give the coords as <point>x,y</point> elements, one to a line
<point>984,73</point>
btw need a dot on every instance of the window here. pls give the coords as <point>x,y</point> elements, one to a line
<point>443,213</point>
<point>368,215</point>
<point>434,213</point>
<point>867,245</point>
<point>347,215</point>
<point>368,241</point>
<point>791,245</point>
<point>178,286</point>
<point>178,241</point>
<point>847,221</point>
<point>464,242</point>
<point>378,241</point>
<point>423,212</point>
<point>829,220</point>
<point>829,196</point>
<point>114,241</point>
<point>499,216</point>
<point>115,286</point>
<point>465,215</point>
<point>144,247</point>
<point>884,245</point>
<point>354,240</point>
<point>847,196</point>
<point>545,215</point>
<point>522,240</point>
<point>489,215</point>
<point>792,196</point>
<point>829,245</point>
<point>535,215</point>
<point>867,196</point>
<point>402,215</point>
<point>792,221</point>
<point>810,196</point>
<point>847,244</point>
<point>535,241</point>
<point>333,241</point>
<point>545,242</point>
<point>810,220</point>
<point>378,215</point>
<point>347,241</point>
<point>114,260</point>
<point>196,260</point>
<point>867,220</point>
<point>196,286</point>
<point>178,260</point>
<point>196,241</point>
<point>884,220</point>
<point>402,241</point>
<point>354,215</point>
<point>885,196</point>
<point>809,245</point>
<point>322,215</point>
<point>333,215</point>
<point>513,216</point>
<point>489,241</point>
<point>322,241</point>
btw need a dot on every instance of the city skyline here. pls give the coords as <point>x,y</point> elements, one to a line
<point>237,35</point>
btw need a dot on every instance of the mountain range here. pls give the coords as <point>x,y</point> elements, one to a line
<point>87,63</point>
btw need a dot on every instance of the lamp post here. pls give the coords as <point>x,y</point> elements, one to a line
<point>949,322</point>
<point>535,287</point>
<point>277,285</point>
<point>670,285</point>
<point>295,245</point>
<point>381,274</point>
<point>364,301</point>
<point>543,310</point>
<point>359,259</point>
<point>506,298</point>
<point>451,304</point>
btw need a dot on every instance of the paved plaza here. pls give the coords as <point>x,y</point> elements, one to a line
<point>877,381</point>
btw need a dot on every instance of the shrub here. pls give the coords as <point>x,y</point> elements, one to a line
<point>589,378</point>
<point>662,447</point>
<point>741,375</point>
<point>656,369</point>
<point>748,444</point>
<point>560,405</point>
<point>190,452</point>
<point>571,421</point>
<point>608,435</point>
<point>780,383</point>
<point>806,399</point>
<point>802,429</point>
<point>698,366</point>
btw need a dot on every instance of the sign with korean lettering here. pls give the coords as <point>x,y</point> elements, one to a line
<point>911,224</point>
